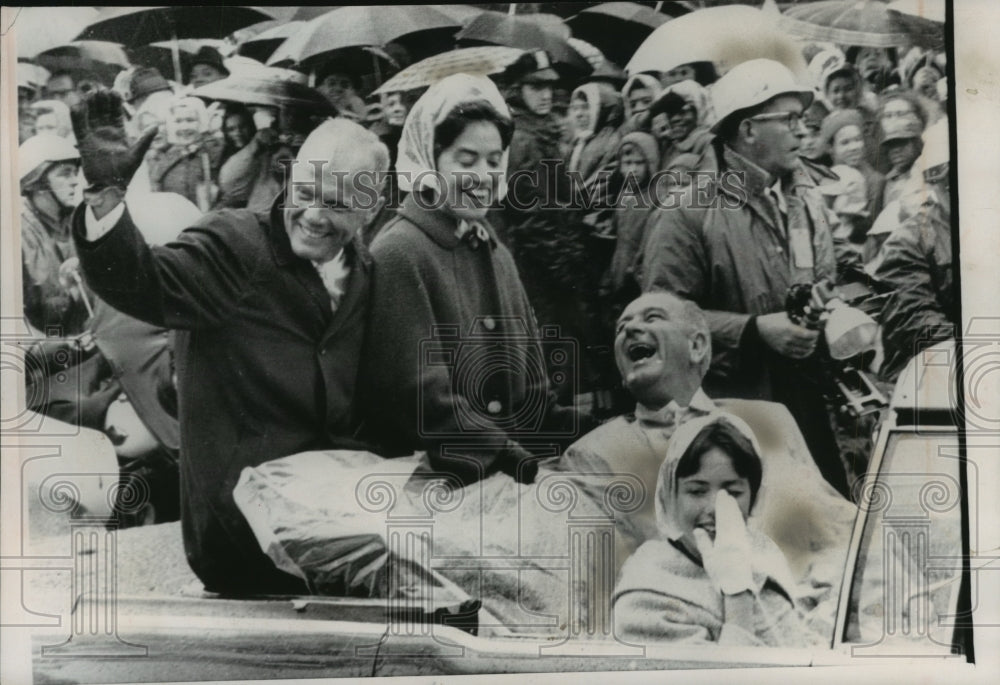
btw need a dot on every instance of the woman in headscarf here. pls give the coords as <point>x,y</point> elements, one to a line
<point>596,111</point>
<point>711,577</point>
<point>843,136</point>
<point>682,116</point>
<point>453,362</point>
<point>638,94</point>
<point>188,164</point>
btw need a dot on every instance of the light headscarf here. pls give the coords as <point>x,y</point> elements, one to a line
<point>416,164</point>
<point>667,515</point>
<point>697,96</point>
<point>60,112</point>
<point>191,103</point>
<point>647,81</point>
<point>591,94</point>
<point>767,559</point>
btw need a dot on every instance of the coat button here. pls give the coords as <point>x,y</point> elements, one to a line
<point>489,323</point>
<point>322,353</point>
<point>494,407</point>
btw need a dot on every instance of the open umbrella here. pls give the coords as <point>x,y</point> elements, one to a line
<point>923,20</point>
<point>724,36</point>
<point>460,13</point>
<point>263,45</point>
<point>40,28</point>
<point>491,28</point>
<point>136,26</point>
<point>270,92</point>
<point>865,23</point>
<point>85,57</point>
<point>480,61</point>
<point>357,26</point>
<point>161,54</point>
<point>617,28</point>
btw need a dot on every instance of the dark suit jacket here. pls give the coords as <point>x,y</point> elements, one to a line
<point>264,367</point>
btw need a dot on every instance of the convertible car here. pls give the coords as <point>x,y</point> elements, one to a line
<point>124,607</point>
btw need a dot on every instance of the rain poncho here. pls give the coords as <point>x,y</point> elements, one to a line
<point>416,164</point>
<point>664,593</point>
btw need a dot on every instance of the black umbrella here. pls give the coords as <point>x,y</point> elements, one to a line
<point>618,28</point>
<point>135,26</point>
<point>358,26</point>
<point>492,28</point>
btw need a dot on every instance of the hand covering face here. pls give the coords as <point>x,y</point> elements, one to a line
<point>667,512</point>
<point>416,164</point>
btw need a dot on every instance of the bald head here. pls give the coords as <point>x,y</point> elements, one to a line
<point>340,145</point>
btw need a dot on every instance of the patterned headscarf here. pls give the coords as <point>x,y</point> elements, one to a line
<point>416,164</point>
<point>667,516</point>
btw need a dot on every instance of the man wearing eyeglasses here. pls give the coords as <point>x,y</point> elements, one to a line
<point>269,309</point>
<point>737,252</point>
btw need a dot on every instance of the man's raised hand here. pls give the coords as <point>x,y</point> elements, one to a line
<point>107,158</point>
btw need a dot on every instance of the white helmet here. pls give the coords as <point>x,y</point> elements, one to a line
<point>753,83</point>
<point>38,153</point>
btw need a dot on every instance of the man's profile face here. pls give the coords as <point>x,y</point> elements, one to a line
<point>652,344</point>
<point>324,208</point>
<point>777,142</point>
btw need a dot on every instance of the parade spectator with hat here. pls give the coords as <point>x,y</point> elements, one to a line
<point>206,67</point>
<point>144,82</point>
<point>49,173</point>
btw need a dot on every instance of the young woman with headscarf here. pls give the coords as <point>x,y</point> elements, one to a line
<point>712,577</point>
<point>188,164</point>
<point>452,363</point>
<point>596,111</point>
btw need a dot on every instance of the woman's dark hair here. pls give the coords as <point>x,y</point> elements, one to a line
<point>723,435</point>
<point>459,118</point>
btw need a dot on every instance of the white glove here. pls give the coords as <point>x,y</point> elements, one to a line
<point>727,560</point>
